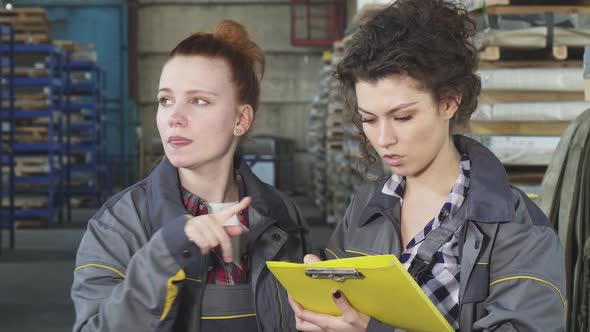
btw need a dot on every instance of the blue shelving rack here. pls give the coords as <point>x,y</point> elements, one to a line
<point>47,184</point>
<point>87,174</point>
<point>7,183</point>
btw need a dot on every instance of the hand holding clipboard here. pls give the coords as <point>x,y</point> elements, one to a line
<point>378,286</point>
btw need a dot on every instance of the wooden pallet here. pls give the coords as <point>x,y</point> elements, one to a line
<point>25,105</point>
<point>530,43</point>
<point>334,146</point>
<point>526,177</point>
<point>334,134</point>
<point>23,20</point>
<point>336,111</point>
<point>31,160</point>
<point>510,96</point>
<point>529,10</point>
<point>26,202</point>
<point>84,56</point>
<point>30,25</point>
<point>518,128</point>
<point>45,120</point>
<point>31,134</point>
<point>24,16</point>
<point>31,170</point>
<point>32,96</point>
<point>81,77</point>
<point>517,64</point>
<point>558,52</point>
<point>73,47</point>
<point>24,12</point>
<point>334,122</point>
<point>29,38</point>
<point>31,223</point>
<point>27,72</point>
<point>29,166</point>
<point>369,10</point>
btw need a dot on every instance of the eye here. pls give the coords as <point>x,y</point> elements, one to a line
<point>404,118</point>
<point>200,101</point>
<point>365,120</point>
<point>165,101</point>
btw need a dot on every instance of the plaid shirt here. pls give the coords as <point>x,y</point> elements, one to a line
<point>442,283</point>
<point>220,273</point>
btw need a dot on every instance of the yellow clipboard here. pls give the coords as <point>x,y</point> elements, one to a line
<point>378,286</point>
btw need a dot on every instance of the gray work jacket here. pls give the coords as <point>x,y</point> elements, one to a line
<point>137,271</point>
<point>512,263</point>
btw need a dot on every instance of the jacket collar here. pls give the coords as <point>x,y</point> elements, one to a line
<point>490,194</point>
<point>489,198</point>
<point>165,202</point>
<point>379,203</point>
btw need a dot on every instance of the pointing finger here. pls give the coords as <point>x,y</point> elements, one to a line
<point>232,211</point>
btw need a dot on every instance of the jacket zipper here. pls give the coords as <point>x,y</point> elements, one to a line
<point>461,244</point>
<point>262,272</point>
<point>202,299</point>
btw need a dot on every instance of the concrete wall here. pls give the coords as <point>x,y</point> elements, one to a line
<point>292,73</point>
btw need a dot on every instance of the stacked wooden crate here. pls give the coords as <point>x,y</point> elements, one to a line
<point>337,168</point>
<point>38,123</point>
<point>29,24</point>
<point>532,85</point>
<point>29,100</point>
<point>316,133</point>
<point>86,178</point>
<point>78,51</point>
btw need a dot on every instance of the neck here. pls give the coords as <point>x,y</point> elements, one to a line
<point>440,175</point>
<point>213,182</point>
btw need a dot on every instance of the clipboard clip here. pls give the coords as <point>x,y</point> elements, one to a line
<point>338,275</point>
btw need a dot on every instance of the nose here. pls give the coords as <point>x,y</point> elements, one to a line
<point>387,135</point>
<point>177,118</point>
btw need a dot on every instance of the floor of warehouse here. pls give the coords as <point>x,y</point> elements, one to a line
<point>35,278</point>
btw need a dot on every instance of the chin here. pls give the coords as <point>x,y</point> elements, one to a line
<point>403,170</point>
<point>398,170</point>
<point>180,162</point>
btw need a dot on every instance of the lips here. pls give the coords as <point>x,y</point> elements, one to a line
<point>392,159</point>
<point>179,141</point>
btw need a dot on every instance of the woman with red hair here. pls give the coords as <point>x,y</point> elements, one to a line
<point>185,249</point>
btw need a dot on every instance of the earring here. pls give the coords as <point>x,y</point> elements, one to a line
<point>239,131</point>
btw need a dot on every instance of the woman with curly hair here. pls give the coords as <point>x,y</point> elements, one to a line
<point>480,249</point>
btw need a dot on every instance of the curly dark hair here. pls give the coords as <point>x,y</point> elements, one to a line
<point>427,40</point>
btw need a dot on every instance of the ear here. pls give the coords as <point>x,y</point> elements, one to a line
<point>244,120</point>
<point>449,105</point>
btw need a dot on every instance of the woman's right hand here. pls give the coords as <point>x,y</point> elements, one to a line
<point>207,231</point>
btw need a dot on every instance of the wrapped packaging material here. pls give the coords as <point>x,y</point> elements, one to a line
<point>521,150</point>
<point>532,79</point>
<point>469,4</point>
<point>530,31</point>
<point>533,38</point>
<point>528,112</point>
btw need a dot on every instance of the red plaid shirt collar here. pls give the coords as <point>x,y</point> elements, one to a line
<point>220,273</point>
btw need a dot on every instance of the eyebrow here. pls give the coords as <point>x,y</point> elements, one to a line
<point>395,109</point>
<point>196,91</point>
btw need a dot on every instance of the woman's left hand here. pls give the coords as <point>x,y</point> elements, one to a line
<point>350,321</point>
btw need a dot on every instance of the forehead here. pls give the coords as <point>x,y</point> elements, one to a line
<point>196,72</point>
<point>388,92</point>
